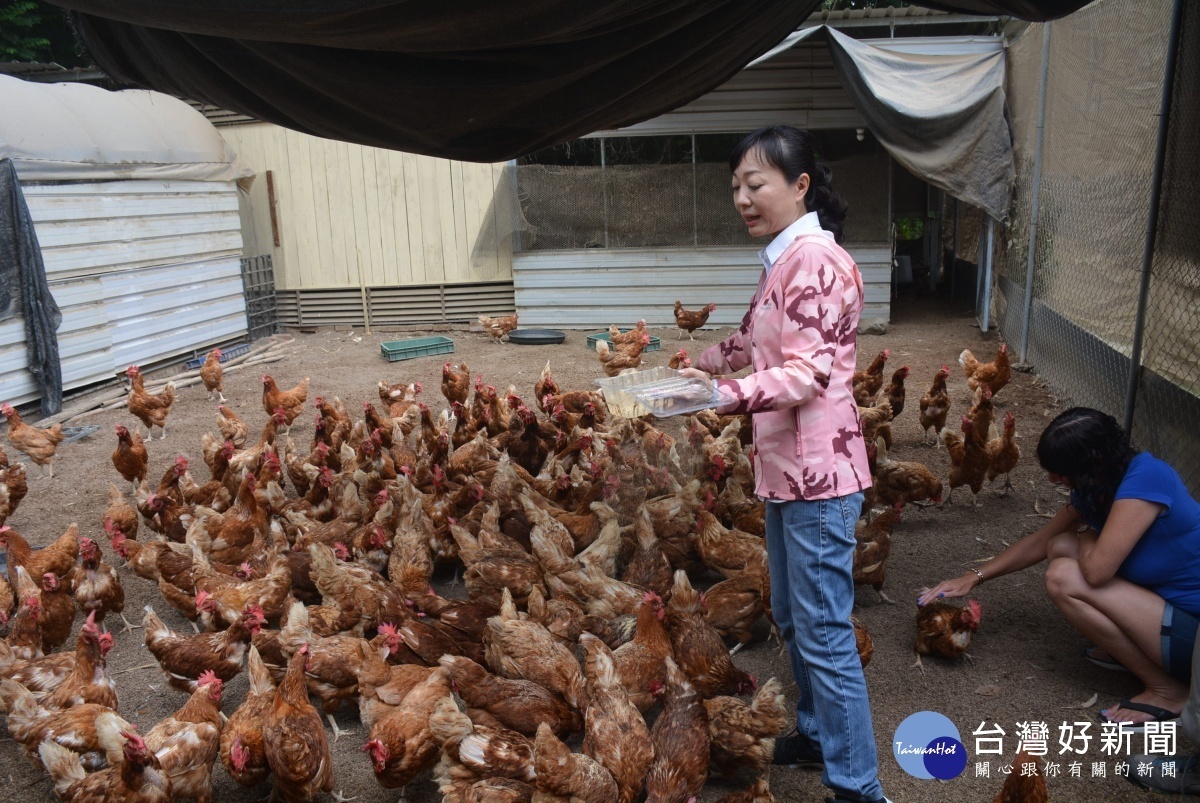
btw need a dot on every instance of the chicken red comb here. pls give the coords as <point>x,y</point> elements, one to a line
<point>976,610</point>
<point>132,739</point>
<point>387,628</point>
<point>207,678</point>
<point>91,620</point>
<point>201,597</point>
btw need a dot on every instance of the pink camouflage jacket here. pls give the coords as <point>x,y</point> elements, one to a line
<point>799,336</point>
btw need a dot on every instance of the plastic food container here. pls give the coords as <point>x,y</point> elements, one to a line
<point>676,396</point>
<point>226,355</point>
<point>660,392</point>
<point>654,345</point>
<point>396,350</point>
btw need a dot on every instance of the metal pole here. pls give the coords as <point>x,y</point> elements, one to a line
<point>1037,188</point>
<point>954,252</point>
<point>604,188</point>
<point>987,275</point>
<point>515,188</point>
<point>1156,178</point>
<point>695,199</point>
<point>927,231</point>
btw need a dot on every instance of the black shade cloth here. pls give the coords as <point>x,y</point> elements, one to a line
<point>478,80</point>
<point>26,291</point>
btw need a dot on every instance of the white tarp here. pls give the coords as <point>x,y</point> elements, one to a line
<point>77,132</point>
<point>938,112</point>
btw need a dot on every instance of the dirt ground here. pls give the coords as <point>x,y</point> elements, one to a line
<point>1028,664</point>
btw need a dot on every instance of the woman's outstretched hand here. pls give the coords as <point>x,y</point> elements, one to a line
<point>693,373</point>
<point>948,589</point>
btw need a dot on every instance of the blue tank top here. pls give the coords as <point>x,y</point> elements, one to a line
<point>1166,559</point>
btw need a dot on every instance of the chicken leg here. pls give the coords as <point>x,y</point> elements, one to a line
<point>129,627</point>
<point>337,732</point>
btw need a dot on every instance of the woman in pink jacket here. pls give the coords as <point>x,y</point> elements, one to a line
<point>810,461</point>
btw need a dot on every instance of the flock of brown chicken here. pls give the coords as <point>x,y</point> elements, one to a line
<point>578,538</point>
<point>980,453</point>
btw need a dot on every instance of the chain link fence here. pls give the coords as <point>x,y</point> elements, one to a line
<point>681,198</point>
<point>1104,74</point>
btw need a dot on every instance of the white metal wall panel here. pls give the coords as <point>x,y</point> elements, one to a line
<point>155,313</point>
<point>141,270</point>
<point>594,288</point>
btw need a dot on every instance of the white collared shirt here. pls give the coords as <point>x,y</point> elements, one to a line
<point>805,224</point>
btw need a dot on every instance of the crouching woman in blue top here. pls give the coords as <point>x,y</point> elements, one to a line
<point>1124,559</point>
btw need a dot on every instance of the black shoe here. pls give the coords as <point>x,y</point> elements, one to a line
<point>1146,771</point>
<point>797,750</point>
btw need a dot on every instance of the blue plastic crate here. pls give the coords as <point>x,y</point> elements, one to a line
<point>226,355</point>
<point>655,343</point>
<point>396,350</point>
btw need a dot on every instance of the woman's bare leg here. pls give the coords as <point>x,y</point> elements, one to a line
<point>1124,620</point>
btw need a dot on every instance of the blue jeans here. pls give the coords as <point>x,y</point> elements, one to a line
<point>810,547</point>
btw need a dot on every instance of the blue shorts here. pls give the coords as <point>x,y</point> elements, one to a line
<point>1178,641</point>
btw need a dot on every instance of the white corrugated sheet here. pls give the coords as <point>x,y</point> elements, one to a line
<point>594,288</point>
<point>141,270</point>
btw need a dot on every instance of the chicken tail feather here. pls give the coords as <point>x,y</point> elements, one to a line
<point>64,766</point>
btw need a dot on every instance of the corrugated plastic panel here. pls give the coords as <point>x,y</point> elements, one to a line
<point>142,271</point>
<point>595,288</point>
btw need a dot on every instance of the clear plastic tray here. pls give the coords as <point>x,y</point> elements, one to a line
<point>620,402</point>
<point>676,396</point>
<point>655,391</point>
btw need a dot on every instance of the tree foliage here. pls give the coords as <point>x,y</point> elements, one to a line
<point>21,38</point>
<point>31,30</point>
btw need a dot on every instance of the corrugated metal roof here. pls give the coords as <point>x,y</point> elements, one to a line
<point>889,12</point>
<point>218,116</point>
<point>49,71</point>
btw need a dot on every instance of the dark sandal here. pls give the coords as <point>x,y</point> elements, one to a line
<point>1089,653</point>
<point>1157,714</point>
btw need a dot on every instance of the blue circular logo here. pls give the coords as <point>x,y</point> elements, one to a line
<point>927,745</point>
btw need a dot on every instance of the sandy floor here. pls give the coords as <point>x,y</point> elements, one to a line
<point>1028,663</point>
